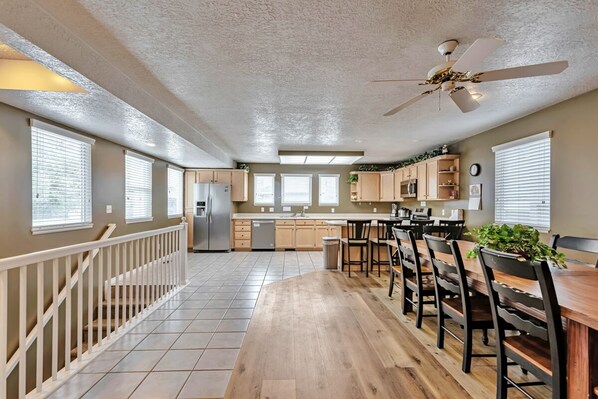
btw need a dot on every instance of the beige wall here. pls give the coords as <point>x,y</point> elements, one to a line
<point>108,189</point>
<point>574,165</point>
<point>345,206</point>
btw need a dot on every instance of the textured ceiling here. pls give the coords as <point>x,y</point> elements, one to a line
<point>255,76</point>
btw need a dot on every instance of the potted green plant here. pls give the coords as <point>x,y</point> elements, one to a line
<point>352,179</point>
<point>518,239</point>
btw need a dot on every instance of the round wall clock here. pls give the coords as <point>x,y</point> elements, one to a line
<point>474,169</point>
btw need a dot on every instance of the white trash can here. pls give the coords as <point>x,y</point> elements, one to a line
<point>330,246</point>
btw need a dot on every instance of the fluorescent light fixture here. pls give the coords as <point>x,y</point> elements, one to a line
<point>150,144</point>
<point>319,157</point>
<point>476,96</point>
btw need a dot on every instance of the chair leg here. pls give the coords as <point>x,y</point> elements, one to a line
<point>360,259</point>
<point>392,283</point>
<point>378,260</point>
<point>485,336</point>
<point>501,372</point>
<point>440,329</point>
<point>467,348</point>
<point>405,293</point>
<point>349,259</point>
<point>342,257</point>
<point>367,256</point>
<point>420,311</point>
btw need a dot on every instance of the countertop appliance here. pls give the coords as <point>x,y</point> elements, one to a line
<point>421,214</point>
<point>394,212</point>
<point>409,188</point>
<point>404,213</point>
<point>263,234</point>
<point>211,217</point>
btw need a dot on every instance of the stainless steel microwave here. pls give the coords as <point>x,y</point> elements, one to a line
<point>409,188</point>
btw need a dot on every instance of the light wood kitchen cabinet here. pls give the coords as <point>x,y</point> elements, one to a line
<point>239,185</point>
<point>285,236</point>
<point>321,232</point>
<point>398,178</point>
<point>223,176</point>
<point>432,180</point>
<point>189,182</point>
<point>422,181</point>
<point>242,234</point>
<point>387,186</point>
<point>305,237</point>
<point>204,176</point>
<point>367,187</point>
<point>189,219</point>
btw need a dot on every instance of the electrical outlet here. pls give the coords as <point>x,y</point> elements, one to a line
<point>108,208</point>
<point>262,209</point>
<point>286,208</point>
<point>422,203</point>
<point>442,211</point>
<point>305,207</point>
<point>332,210</point>
<point>375,210</point>
<point>271,209</point>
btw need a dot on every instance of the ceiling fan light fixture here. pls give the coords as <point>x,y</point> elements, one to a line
<point>477,96</point>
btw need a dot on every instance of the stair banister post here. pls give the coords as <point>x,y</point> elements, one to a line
<point>183,252</point>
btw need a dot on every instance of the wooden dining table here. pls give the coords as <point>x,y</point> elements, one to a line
<point>577,294</point>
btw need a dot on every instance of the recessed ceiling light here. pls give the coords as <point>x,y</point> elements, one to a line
<point>150,144</point>
<point>476,96</point>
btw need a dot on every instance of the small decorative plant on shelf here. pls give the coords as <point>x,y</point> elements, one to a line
<point>243,166</point>
<point>352,179</point>
<point>519,239</point>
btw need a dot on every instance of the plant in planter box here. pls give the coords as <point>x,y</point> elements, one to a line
<point>519,239</point>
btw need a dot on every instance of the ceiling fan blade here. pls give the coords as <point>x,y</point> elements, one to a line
<point>407,103</point>
<point>475,54</point>
<point>462,97</point>
<point>396,80</point>
<point>527,71</point>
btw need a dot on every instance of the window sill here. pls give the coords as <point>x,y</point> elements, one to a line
<point>175,216</point>
<point>140,220</point>
<point>57,229</point>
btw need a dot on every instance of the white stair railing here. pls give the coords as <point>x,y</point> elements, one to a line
<point>143,270</point>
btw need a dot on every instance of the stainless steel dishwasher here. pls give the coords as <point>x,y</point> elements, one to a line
<point>263,234</point>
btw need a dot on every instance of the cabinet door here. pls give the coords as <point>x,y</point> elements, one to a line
<point>285,237</point>
<point>412,172</point>
<point>335,231</point>
<point>189,182</point>
<point>369,186</point>
<point>386,186</point>
<point>406,175</point>
<point>432,178</point>
<point>305,237</point>
<point>223,176</point>
<point>204,176</point>
<point>398,178</point>
<point>321,232</point>
<point>239,185</point>
<point>422,183</point>
<point>189,217</point>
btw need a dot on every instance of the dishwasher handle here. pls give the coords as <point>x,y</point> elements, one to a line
<point>262,222</point>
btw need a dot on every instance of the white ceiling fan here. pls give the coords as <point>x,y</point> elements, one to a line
<point>448,75</point>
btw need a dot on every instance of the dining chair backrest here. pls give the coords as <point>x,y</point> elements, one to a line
<point>384,228</point>
<point>448,232</point>
<point>421,222</point>
<point>407,250</point>
<point>358,230</point>
<point>450,278</point>
<point>503,298</point>
<point>447,222</point>
<point>582,244</point>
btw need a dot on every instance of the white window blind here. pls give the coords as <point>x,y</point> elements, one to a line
<point>328,186</point>
<point>61,179</point>
<point>522,182</point>
<point>175,191</point>
<point>138,188</point>
<point>263,189</point>
<point>296,189</point>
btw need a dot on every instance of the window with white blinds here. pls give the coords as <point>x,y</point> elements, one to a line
<point>295,189</point>
<point>175,191</point>
<point>522,182</point>
<point>328,186</point>
<point>263,188</point>
<point>138,188</point>
<point>61,179</point>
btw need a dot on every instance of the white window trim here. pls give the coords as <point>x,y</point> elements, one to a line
<point>338,189</point>
<point>35,123</point>
<point>139,220</point>
<point>178,215</point>
<point>311,183</point>
<point>144,158</point>
<point>523,141</point>
<point>138,155</point>
<point>273,175</point>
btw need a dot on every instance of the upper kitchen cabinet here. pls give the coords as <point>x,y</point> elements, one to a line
<point>367,187</point>
<point>204,176</point>
<point>237,178</point>
<point>387,183</point>
<point>438,178</point>
<point>240,185</point>
<point>223,176</point>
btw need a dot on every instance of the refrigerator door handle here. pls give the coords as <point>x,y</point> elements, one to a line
<point>210,209</point>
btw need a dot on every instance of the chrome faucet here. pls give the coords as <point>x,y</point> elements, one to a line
<point>302,212</point>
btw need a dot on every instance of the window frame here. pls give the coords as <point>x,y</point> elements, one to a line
<point>544,181</point>
<point>282,179</point>
<point>149,218</point>
<point>338,189</point>
<point>181,198</point>
<point>87,192</point>
<point>273,176</point>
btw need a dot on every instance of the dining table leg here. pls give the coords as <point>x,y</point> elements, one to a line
<point>582,360</point>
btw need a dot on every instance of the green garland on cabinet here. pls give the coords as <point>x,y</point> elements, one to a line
<point>418,158</point>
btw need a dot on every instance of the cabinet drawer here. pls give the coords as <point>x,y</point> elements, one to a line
<point>242,228</point>
<point>242,236</point>
<point>285,222</point>
<point>305,222</point>
<point>241,222</point>
<point>321,223</point>
<point>242,243</point>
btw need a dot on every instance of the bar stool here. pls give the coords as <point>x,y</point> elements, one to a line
<point>358,235</point>
<point>384,230</point>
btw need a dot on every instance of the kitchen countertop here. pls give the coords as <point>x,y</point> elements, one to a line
<point>336,219</point>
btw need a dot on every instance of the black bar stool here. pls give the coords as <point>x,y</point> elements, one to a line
<point>358,235</point>
<point>384,230</point>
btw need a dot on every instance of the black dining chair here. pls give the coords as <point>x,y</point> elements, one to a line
<point>449,222</point>
<point>540,347</point>
<point>448,232</point>
<point>384,230</point>
<point>414,280</point>
<point>358,235</point>
<point>581,244</point>
<point>454,299</point>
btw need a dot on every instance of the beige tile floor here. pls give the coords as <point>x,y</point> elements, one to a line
<point>188,347</point>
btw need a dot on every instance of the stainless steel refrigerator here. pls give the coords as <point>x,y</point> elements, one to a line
<point>211,222</point>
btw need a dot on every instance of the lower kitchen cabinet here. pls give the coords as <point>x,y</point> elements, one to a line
<point>285,234</point>
<point>305,237</point>
<point>321,232</point>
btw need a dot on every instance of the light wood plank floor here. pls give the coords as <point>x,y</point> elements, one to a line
<point>323,335</point>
